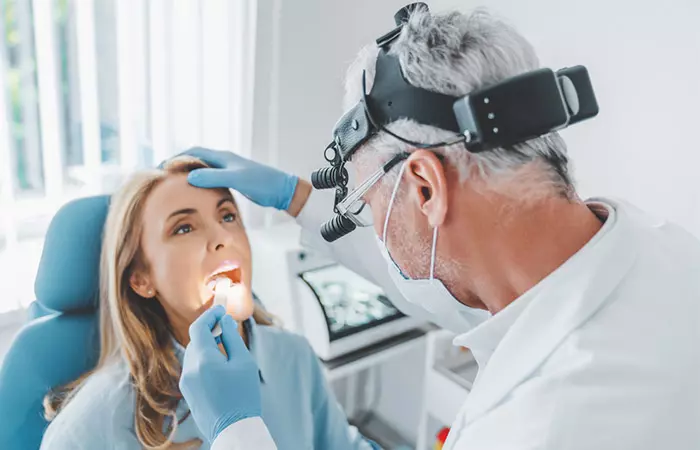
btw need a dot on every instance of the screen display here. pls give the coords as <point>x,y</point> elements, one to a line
<point>350,301</point>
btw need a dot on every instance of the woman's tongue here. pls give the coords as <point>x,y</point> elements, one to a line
<point>232,277</point>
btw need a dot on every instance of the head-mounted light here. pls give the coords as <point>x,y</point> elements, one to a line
<point>499,116</point>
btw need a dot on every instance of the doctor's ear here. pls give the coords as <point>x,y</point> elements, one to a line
<point>427,182</point>
<point>141,284</point>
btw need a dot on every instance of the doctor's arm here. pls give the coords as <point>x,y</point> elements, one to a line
<point>223,391</point>
<point>357,250</point>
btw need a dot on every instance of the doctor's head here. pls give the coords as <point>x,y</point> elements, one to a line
<point>466,195</point>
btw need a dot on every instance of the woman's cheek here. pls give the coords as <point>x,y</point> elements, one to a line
<point>174,275</point>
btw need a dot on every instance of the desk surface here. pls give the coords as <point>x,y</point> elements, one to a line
<point>374,354</point>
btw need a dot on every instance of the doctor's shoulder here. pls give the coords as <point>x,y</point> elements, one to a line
<point>99,415</point>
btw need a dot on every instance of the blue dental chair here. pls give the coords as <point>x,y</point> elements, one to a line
<point>61,341</point>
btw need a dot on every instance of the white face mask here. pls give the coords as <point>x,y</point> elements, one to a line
<point>430,294</point>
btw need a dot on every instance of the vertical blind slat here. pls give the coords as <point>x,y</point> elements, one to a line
<point>49,96</point>
<point>130,67</point>
<point>87,76</point>
<point>159,54</point>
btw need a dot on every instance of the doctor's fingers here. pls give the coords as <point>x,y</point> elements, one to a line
<point>233,343</point>
<point>200,330</point>
<point>234,178</point>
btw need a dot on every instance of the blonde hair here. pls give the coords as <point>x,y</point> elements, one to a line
<point>133,328</point>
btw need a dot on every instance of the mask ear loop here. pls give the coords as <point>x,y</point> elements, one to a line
<point>386,226</point>
<point>391,204</point>
<point>433,253</point>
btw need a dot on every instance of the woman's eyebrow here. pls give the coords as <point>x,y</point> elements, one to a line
<point>182,212</point>
<point>186,211</point>
<point>224,200</point>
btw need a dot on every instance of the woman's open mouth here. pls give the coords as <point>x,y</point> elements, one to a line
<point>227,287</point>
<point>227,270</point>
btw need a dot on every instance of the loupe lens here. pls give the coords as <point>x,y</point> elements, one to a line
<point>336,228</point>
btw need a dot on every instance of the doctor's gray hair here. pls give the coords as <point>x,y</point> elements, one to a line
<point>455,53</point>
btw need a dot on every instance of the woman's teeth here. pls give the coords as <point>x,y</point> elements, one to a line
<point>223,280</point>
<point>211,285</point>
<point>232,273</point>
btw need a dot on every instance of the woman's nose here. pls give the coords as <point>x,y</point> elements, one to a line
<point>221,238</point>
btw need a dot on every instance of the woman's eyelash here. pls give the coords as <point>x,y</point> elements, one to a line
<point>183,229</point>
<point>186,228</point>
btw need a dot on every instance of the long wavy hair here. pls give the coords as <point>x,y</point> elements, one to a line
<point>134,329</point>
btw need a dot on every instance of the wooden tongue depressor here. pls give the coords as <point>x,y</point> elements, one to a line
<point>222,291</point>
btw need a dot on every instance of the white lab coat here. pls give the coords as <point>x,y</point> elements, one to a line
<point>606,356</point>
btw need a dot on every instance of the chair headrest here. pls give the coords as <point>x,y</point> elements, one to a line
<point>45,353</point>
<point>68,275</point>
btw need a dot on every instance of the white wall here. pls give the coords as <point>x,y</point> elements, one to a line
<point>644,60</point>
<point>299,73</point>
<point>643,57</point>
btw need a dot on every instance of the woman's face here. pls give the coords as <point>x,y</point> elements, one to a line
<point>190,237</point>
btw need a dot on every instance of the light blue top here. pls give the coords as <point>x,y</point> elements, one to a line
<point>298,405</point>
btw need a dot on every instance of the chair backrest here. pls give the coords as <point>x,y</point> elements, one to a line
<point>61,342</point>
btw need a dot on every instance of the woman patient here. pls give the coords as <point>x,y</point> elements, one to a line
<point>165,244</point>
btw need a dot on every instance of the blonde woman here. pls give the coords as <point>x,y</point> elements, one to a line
<point>165,244</point>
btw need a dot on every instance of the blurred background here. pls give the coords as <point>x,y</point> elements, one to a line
<point>92,89</point>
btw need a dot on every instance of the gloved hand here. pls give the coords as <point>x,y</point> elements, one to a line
<point>261,184</point>
<point>219,390</point>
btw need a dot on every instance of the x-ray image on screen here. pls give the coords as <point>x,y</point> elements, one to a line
<point>349,300</point>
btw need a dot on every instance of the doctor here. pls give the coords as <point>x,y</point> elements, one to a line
<point>584,317</point>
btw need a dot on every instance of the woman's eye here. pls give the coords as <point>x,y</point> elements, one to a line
<point>229,217</point>
<point>183,229</point>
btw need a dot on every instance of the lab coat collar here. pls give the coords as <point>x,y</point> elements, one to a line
<point>555,307</point>
<point>483,340</point>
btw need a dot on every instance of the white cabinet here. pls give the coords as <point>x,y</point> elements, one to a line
<point>449,374</point>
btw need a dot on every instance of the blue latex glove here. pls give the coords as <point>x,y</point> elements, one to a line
<point>263,185</point>
<point>219,390</point>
